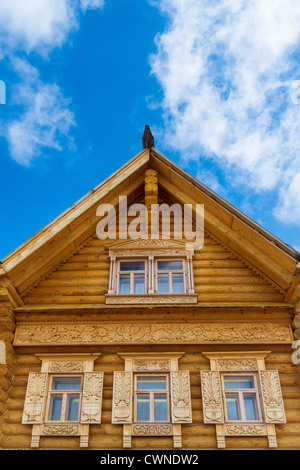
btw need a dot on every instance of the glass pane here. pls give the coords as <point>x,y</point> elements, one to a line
<point>143,407</point>
<point>139,283</point>
<point>132,266</point>
<point>232,407</point>
<point>151,383</point>
<point>73,408</point>
<point>169,265</point>
<point>160,407</point>
<point>238,382</point>
<point>55,407</point>
<point>124,284</point>
<point>163,283</point>
<point>250,407</point>
<point>177,283</point>
<point>66,383</point>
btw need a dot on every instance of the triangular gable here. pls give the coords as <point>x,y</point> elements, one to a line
<point>45,250</point>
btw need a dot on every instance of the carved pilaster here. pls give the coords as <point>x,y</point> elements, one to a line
<point>122,398</point>
<point>212,397</point>
<point>272,396</point>
<point>181,397</point>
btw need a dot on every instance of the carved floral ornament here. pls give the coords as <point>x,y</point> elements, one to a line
<point>213,395</point>
<point>37,397</point>
<point>122,411</point>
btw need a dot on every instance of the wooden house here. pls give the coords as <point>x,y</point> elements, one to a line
<point>150,343</point>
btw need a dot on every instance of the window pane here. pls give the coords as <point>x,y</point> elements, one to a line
<point>163,283</point>
<point>232,407</point>
<point>169,265</point>
<point>177,283</point>
<point>66,383</point>
<point>160,407</point>
<point>143,407</point>
<point>139,283</point>
<point>55,407</point>
<point>151,383</point>
<point>132,266</point>
<point>124,284</point>
<point>73,408</point>
<point>238,382</point>
<point>250,407</point>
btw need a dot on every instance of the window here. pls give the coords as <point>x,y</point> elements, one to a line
<point>151,398</point>
<point>170,276</point>
<point>132,277</point>
<point>241,398</point>
<point>151,271</point>
<point>64,398</point>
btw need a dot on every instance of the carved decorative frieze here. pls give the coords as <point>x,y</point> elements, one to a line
<point>66,367</point>
<point>152,429</point>
<point>150,366</point>
<point>156,333</point>
<point>61,430</point>
<point>119,299</point>
<point>246,430</point>
<point>237,364</point>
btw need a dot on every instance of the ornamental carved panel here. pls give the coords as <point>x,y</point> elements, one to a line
<point>212,397</point>
<point>272,396</point>
<point>122,398</point>
<point>35,398</point>
<point>237,364</point>
<point>150,366</point>
<point>61,429</point>
<point>155,333</point>
<point>181,397</point>
<point>92,397</point>
<point>60,366</point>
<point>152,429</point>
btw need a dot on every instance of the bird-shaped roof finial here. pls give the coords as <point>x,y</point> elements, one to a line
<point>148,139</point>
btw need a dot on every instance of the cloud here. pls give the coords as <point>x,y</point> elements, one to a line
<point>44,119</point>
<point>229,73</point>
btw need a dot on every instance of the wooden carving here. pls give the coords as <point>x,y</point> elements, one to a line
<point>35,398</point>
<point>181,397</point>
<point>92,398</point>
<point>142,365</point>
<point>152,429</point>
<point>237,364</point>
<point>122,398</point>
<point>272,396</point>
<point>60,366</point>
<point>155,333</point>
<point>212,397</point>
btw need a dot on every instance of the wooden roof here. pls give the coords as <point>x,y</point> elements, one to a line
<point>65,234</point>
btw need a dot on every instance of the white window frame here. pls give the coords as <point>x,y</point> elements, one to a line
<point>170,272</point>
<point>65,395</point>
<point>131,274</point>
<point>240,393</point>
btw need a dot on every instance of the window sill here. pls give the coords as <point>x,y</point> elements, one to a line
<point>151,299</point>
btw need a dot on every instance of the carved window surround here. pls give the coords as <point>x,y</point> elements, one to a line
<point>239,363</point>
<point>150,251</point>
<point>123,396</point>
<point>35,408</point>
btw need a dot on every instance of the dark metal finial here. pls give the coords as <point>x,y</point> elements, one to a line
<point>148,139</point>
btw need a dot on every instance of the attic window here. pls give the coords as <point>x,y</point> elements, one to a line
<point>150,275</point>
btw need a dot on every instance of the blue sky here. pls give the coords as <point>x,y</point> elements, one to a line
<point>83,77</point>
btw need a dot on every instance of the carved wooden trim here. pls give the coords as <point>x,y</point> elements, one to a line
<point>92,398</point>
<point>250,361</point>
<point>37,390</point>
<point>35,398</point>
<point>122,398</point>
<point>152,430</point>
<point>34,334</point>
<point>181,397</point>
<point>213,411</point>
<point>272,396</point>
<point>120,299</point>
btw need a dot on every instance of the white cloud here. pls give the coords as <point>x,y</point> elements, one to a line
<point>37,26</point>
<point>46,122</point>
<point>229,86</point>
